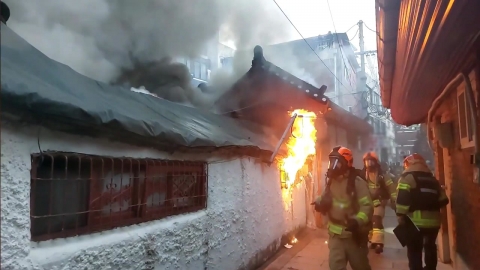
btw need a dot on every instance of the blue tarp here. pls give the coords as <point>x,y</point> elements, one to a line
<point>34,83</point>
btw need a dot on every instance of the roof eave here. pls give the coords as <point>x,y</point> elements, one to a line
<point>335,112</point>
<point>387,14</point>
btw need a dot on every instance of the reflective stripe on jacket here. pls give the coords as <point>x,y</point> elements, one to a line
<point>421,218</point>
<point>374,185</point>
<point>343,207</point>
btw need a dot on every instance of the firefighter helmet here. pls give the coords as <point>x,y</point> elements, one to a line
<point>339,161</point>
<point>413,159</point>
<point>370,160</point>
<point>347,154</point>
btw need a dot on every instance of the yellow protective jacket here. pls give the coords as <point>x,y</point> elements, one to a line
<point>374,186</point>
<point>421,218</point>
<point>343,207</point>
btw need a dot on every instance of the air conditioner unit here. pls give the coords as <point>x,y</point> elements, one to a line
<point>443,133</point>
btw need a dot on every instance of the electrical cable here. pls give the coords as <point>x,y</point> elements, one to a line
<point>379,110</point>
<point>354,36</point>
<point>233,159</point>
<point>366,26</point>
<point>313,50</point>
<point>351,28</point>
<point>340,47</point>
<point>40,148</point>
<point>38,140</point>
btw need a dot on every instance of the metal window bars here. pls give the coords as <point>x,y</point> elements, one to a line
<point>74,194</point>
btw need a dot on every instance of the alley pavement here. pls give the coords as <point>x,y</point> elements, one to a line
<point>311,252</point>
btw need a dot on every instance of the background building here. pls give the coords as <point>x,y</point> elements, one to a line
<point>225,56</point>
<point>405,138</point>
<point>332,63</point>
<point>201,67</point>
<point>383,139</point>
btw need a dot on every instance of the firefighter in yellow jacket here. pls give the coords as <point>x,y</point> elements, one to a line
<point>420,197</point>
<point>382,189</point>
<point>347,203</point>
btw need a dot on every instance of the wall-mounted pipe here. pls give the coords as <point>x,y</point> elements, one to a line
<point>473,112</point>
<point>282,139</point>
<point>445,91</point>
<point>470,98</point>
<point>436,103</point>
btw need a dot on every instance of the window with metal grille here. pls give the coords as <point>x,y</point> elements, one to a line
<point>73,194</point>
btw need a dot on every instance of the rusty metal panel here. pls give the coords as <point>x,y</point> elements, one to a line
<point>74,194</point>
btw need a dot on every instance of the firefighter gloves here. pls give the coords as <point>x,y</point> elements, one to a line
<point>352,225</point>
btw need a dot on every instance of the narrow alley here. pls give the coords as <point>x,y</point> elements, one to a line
<point>311,252</point>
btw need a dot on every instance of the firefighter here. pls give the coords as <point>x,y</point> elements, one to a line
<point>420,197</point>
<point>347,203</point>
<point>382,189</point>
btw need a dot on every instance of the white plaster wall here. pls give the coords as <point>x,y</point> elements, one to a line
<point>245,214</point>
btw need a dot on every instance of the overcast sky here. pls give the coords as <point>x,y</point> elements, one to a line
<point>312,17</point>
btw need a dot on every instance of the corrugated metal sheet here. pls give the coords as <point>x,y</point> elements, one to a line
<point>387,24</point>
<point>37,87</point>
<point>435,39</point>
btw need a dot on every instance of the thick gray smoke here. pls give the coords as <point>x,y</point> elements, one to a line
<point>134,41</point>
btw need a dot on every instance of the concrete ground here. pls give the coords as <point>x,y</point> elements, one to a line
<point>311,252</point>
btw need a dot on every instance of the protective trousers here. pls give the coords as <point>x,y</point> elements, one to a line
<point>427,242</point>
<point>378,233</point>
<point>346,250</point>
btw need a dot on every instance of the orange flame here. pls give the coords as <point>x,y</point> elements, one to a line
<point>294,240</point>
<point>301,144</point>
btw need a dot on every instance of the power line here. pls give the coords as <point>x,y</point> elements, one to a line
<point>384,112</point>
<point>347,94</point>
<point>313,50</point>
<point>354,36</point>
<point>370,28</point>
<point>351,28</point>
<point>338,41</point>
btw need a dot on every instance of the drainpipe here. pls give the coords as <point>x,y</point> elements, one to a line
<point>436,103</point>
<point>445,91</point>
<point>282,139</point>
<point>473,112</point>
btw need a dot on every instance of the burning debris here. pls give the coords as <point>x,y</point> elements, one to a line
<point>292,242</point>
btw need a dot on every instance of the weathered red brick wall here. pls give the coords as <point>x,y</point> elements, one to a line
<point>465,194</point>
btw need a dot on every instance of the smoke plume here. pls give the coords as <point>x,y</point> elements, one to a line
<point>134,42</point>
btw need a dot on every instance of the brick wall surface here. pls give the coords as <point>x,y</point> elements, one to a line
<point>465,198</point>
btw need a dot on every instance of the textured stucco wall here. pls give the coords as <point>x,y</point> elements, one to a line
<point>246,214</point>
